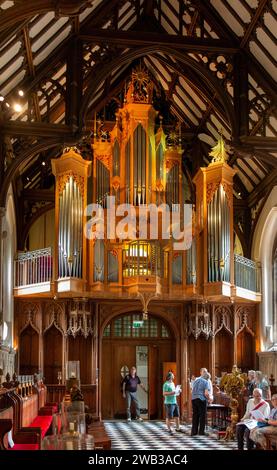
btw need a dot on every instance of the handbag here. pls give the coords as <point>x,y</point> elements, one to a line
<point>261,425</point>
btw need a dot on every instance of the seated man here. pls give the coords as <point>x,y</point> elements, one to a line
<point>255,403</point>
<point>258,434</point>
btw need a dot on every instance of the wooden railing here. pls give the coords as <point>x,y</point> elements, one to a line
<point>247,273</point>
<point>33,267</point>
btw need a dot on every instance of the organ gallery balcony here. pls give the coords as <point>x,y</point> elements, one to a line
<point>33,272</point>
<point>140,266</point>
<point>247,278</point>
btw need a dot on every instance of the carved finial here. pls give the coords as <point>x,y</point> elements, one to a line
<point>219,152</point>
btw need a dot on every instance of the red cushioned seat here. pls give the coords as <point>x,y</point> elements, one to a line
<point>42,422</point>
<point>25,447</point>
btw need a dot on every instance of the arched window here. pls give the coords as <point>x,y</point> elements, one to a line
<point>132,326</point>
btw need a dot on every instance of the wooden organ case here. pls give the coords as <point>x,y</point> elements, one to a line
<point>96,280</point>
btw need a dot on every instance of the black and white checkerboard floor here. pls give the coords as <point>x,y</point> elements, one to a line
<point>154,435</point>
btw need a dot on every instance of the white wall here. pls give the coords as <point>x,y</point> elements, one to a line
<point>262,251</point>
<point>8,254</point>
<point>42,232</point>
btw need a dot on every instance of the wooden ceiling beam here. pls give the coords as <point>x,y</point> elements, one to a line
<point>222,28</point>
<point>96,19</point>
<point>262,188</point>
<point>31,67</point>
<point>23,10</point>
<point>253,22</point>
<point>36,129</point>
<point>133,39</point>
<point>46,195</point>
<point>247,151</point>
<point>260,143</point>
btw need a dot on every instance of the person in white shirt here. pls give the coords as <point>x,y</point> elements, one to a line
<point>255,403</point>
<point>258,434</point>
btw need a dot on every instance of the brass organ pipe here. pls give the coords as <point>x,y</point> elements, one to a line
<point>223,232</point>
<point>143,167</point>
<point>60,236</point>
<point>138,160</point>
<point>135,167</point>
<point>209,244</point>
<point>214,219</point>
<point>220,234</point>
<point>217,236</point>
<point>212,230</point>
<point>73,229</point>
<point>65,228</point>
<point>71,226</point>
<point>76,238</point>
<point>68,232</point>
<point>80,255</point>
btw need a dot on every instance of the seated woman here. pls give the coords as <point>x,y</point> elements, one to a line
<point>255,403</point>
<point>258,434</point>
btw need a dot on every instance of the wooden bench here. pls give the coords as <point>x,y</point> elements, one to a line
<point>24,439</point>
<point>43,420</point>
<point>29,437</point>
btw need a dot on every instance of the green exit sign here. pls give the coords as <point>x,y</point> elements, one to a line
<point>137,324</point>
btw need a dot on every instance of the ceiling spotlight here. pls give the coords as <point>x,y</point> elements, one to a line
<point>239,194</point>
<point>17,107</point>
<point>43,163</point>
<point>21,93</point>
<point>7,104</point>
<point>28,179</point>
<point>2,98</point>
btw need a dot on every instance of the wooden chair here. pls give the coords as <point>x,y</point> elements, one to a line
<point>271,442</point>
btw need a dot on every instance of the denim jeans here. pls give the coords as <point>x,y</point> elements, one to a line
<point>132,396</point>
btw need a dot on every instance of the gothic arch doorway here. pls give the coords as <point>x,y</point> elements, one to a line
<point>149,346</point>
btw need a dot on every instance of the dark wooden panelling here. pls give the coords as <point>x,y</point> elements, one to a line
<point>199,354</point>
<point>29,351</point>
<point>53,347</point>
<point>245,351</point>
<point>224,352</point>
<point>80,349</point>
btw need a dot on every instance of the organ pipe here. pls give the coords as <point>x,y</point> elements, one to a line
<point>218,236</point>
<point>70,231</point>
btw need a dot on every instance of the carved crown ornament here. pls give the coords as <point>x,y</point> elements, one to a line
<point>213,187</point>
<point>219,152</point>
<point>63,178</point>
<point>106,159</point>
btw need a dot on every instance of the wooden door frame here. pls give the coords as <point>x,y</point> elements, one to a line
<point>124,310</point>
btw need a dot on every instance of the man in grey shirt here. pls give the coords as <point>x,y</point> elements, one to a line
<point>200,397</point>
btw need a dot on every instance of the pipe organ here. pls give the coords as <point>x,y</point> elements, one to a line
<point>214,227</point>
<point>98,280</point>
<point>71,173</point>
<point>138,164</point>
